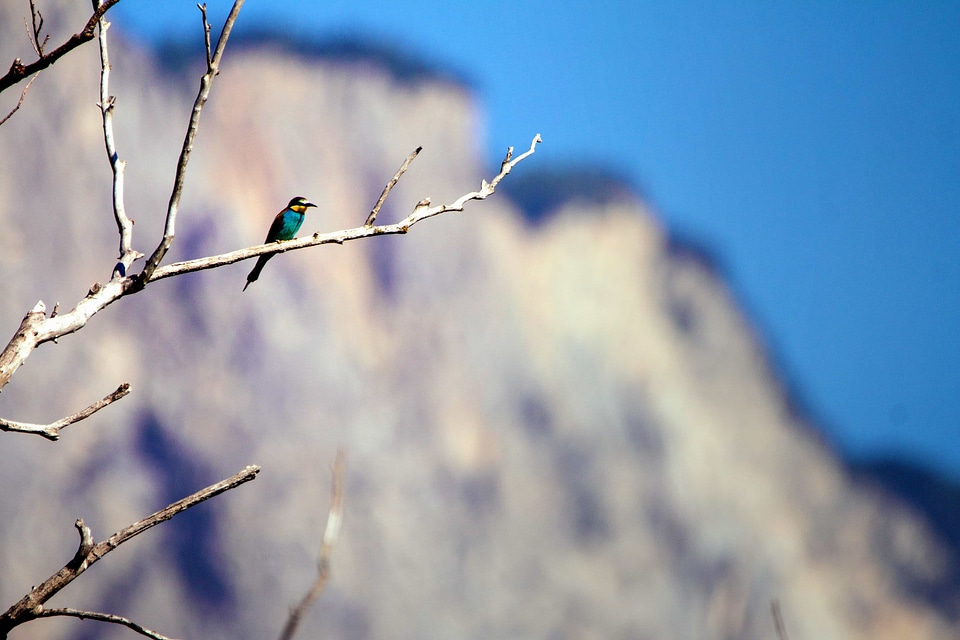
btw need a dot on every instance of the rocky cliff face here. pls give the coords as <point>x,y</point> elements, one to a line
<point>564,431</point>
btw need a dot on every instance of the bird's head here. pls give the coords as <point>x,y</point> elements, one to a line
<point>299,204</point>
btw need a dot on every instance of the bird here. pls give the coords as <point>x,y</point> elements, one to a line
<point>284,227</point>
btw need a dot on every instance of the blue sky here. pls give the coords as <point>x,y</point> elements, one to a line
<point>814,147</point>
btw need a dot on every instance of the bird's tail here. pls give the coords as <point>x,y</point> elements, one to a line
<point>255,272</point>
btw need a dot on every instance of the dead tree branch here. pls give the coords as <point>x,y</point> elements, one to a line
<point>31,607</point>
<point>421,212</point>
<point>330,535</point>
<point>52,431</point>
<point>36,328</point>
<point>213,68</point>
<point>18,71</point>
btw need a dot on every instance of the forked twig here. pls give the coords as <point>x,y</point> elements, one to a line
<point>18,71</point>
<point>30,606</point>
<point>37,19</point>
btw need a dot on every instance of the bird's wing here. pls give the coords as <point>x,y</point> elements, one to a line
<point>275,228</point>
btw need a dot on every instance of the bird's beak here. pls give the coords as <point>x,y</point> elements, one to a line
<point>309,204</point>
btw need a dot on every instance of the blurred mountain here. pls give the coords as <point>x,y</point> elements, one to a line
<point>933,498</point>
<point>539,192</point>
<point>560,430</point>
<point>349,49</point>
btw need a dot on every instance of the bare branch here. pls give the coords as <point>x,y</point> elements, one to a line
<point>213,68</point>
<point>206,32</point>
<point>52,430</point>
<point>23,94</point>
<point>386,190</point>
<point>79,558</point>
<point>36,328</point>
<point>30,606</point>
<point>778,620</point>
<point>102,617</point>
<point>30,37</point>
<point>18,71</point>
<point>421,212</point>
<point>330,535</point>
<point>107,104</point>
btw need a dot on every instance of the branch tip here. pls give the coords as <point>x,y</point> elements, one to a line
<point>86,539</point>
<point>52,431</point>
<point>23,94</point>
<point>18,71</point>
<point>389,186</point>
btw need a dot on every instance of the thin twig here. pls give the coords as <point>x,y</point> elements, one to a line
<point>330,535</point>
<point>117,166</point>
<point>213,68</point>
<point>52,431</point>
<point>23,94</point>
<point>386,190</point>
<point>102,617</point>
<point>31,605</point>
<point>30,36</point>
<point>18,71</point>
<point>778,620</point>
<point>37,19</point>
<point>206,32</point>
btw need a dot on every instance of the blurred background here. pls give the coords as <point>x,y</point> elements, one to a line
<point>813,149</point>
<point>696,354</point>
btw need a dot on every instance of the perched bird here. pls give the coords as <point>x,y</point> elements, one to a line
<point>284,227</point>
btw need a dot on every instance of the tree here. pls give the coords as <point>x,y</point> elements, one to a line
<point>38,327</point>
